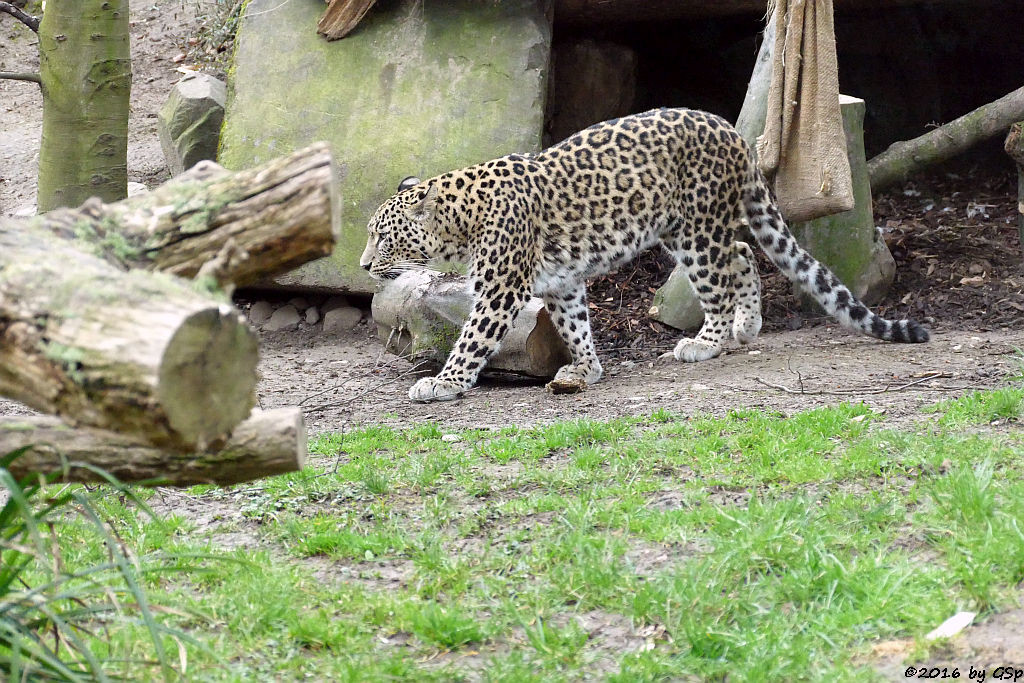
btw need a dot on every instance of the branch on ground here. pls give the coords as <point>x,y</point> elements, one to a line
<point>19,76</point>
<point>21,15</point>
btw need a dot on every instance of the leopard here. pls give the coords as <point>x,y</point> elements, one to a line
<point>543,224</point>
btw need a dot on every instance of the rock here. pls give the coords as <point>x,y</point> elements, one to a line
<point>284,318</point>
<point>420,314</point>
<point>590,81</point>
<point>847,242</point>
<point>675,303</point>
<point>299,303</point>
<point>312,316</point>
<point>189,122</point>
<point>136,188</point>
<point>260,312</point>
<point>418,89</point>
<point>341,320</point>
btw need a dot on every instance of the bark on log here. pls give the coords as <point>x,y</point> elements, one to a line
<point>138,353</point>
<point>341,17</point>
<point>1014,146</point>
<point>244,227</point>
<point>419,315</point>
<point>268,443</point>
<point>905,158</point>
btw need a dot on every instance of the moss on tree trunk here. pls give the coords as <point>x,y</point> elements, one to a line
<point>85,67</point>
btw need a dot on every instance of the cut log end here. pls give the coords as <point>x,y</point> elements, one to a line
<point>207,375</point>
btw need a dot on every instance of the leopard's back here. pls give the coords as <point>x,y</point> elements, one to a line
<point>620,186</point>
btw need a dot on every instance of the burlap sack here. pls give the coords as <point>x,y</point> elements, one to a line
<point>803,147</point>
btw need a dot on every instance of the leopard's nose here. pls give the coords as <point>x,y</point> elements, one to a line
<point>367,266</point>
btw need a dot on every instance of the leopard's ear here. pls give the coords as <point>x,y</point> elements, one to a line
<point>407,182</point>
<point>427,203</point>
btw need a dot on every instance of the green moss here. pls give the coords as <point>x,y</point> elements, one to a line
<point>106,239</point>
<point>418,89</point>
<point>69,357</point>
<point>445,337</point>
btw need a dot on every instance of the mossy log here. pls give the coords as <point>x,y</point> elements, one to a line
<point>139,353</point>
<point>902,159</point>
<point>268,443</point>
<point>241,227</point>
<point>420,314</point>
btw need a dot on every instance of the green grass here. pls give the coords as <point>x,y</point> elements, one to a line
<point>752,546</point>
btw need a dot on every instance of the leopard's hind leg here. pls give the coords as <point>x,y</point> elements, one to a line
<point>747,284</point>
<point>569,314</point>
<point>707,260</point>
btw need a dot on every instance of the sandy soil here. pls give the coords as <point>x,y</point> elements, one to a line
<point>346,382</point>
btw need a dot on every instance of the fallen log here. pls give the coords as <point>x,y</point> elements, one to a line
<point>268,443</point>
<point>143,354</point>
<point>244,227</point>
<point>904,158</point>
<point>420,314</point>
<point>341,17</point>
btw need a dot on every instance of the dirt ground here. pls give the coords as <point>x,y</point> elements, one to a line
<point>953,234</point>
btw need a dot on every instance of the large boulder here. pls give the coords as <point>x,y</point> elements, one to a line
<point>189,122</point>
<point>417,89</point>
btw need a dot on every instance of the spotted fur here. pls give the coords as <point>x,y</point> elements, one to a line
<point>544,224</point>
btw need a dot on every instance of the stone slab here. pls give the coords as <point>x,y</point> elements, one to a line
<point>417,89</point>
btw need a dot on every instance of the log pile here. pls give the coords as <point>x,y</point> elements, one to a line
<point>151,376</point>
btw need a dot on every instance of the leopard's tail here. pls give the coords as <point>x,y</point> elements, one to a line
<point>778,242</point>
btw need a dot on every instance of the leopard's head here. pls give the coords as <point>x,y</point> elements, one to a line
<point>401,233</point>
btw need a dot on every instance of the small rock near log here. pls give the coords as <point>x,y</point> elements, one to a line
<point>190,120</point>
<point>284,318</point>
<point>340,320</point>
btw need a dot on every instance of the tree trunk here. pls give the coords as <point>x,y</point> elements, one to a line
<point>1014,146</point>
<point>85,68</point>
<point>243,227</point>
<point>268,443</point>
<point>754,111</point>
<point>905,158</point>
<point>138,353</point>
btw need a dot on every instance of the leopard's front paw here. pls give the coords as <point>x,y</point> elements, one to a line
<point>695,350</point>
<point>433,389</point>
<point>589,372</point>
